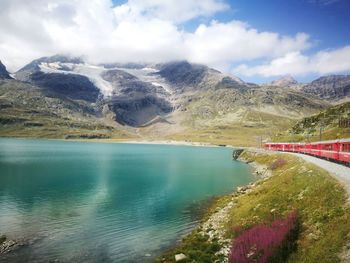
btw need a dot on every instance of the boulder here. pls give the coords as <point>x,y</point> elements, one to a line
<point>179,257</point>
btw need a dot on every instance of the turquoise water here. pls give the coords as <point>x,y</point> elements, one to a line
<point>105,202</point>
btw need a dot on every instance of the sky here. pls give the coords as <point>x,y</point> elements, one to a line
<point>256,40</point>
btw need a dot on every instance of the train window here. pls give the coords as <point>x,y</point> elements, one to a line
<point>345,147</point>
<point>328,147</point>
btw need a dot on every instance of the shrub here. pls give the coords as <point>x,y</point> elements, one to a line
<point>277,163</point>
<point>266,243</point>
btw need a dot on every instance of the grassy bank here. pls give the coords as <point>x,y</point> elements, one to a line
<point>320,200</point>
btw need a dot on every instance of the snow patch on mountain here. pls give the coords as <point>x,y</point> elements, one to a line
<point>87,70</point>
<point>148,74</point>
<point>94,73</point>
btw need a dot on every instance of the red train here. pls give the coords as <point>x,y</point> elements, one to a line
<point>337,150</point>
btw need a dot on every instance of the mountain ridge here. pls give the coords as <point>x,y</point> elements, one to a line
<point>334,88</point>
<point>175,100</point>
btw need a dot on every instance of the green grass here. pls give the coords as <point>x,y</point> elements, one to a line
<point>319,199</point>
<point>250,131</point>
<point>196,247</point>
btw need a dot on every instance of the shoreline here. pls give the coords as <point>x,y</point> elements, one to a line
<point>213,227</point>
<point>216,215</point>
<point>127,141</point>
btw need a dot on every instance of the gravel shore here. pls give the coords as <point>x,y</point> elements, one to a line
<point>214,225</point>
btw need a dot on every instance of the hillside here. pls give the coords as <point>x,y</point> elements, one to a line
<point>332,123</point>
<point>230,116</point>
<point>27,111</point>
<point>213,107</point>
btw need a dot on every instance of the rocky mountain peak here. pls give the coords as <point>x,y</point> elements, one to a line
<point>3,72</point>
<point>182,73</point>
<point>332,87</point>
<point>285,81</point>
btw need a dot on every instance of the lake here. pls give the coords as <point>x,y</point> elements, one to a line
<point>106,202</point>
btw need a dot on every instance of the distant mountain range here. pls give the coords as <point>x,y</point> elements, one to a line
<point>61,96</point>
<point>332,88</point>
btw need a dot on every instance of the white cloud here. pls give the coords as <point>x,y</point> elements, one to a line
<point>172,10</point>
<point>295,63</point>
<point>236,41</point>
<point>323,2</point>
<point>145,31</point>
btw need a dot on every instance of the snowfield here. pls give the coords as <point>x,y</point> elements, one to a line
<point>93,72</point>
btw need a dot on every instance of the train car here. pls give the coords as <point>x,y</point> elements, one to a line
<point>344,151</point>
<point>315,149</point>
<point>335,150</point>
<point>329,150</point>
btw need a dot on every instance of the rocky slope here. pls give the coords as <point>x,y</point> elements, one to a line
<point>133,101</point>
<point>333,88</point>
<point>3,72</point>
<point>285,81</point>
<point>176,100</point>
<point>185,77</point>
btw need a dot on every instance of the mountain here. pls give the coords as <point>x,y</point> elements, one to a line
<point>212,106</point>
<point>285,81</point>
<point>27,111</point>
<point>3,72</point>
<point>333,88</point>
<point>67,97</point>
<point>134,102</point>
<point>56,75</point>
<point>56,62</point>
<point>186,76</point>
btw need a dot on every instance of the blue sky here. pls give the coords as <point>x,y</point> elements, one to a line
<point>257,40</point>
<point>328,24</point>
<point>326,21</point>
